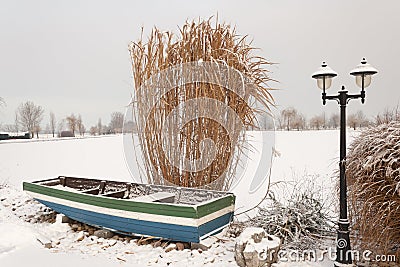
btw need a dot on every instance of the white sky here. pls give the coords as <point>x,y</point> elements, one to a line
<point>72,56</point>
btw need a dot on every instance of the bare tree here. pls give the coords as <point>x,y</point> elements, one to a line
<point>117,122</point>
<point>107,129</point>
<point>53,123</point>
<point>72,121</point>
<point>352,121</point>
<point>8,127</point>
<point>265,122</point>
<point>93,130</point>
<point>317,122</point>
<point>12,127</point>
<point>30,116</point>
<point>80,126</point>
<point>61,126</point>
<point>288,114</point>
<point>357,119</point>
<point>299,122</point>
<point>47,129</point>
<point>37,129</point>
<point>99,127</point>
<point>323,117</point>
<point>16,124</point>
<point>388,115</point>
<point>334,121</point>
<point>280,122</point>
<point>362,119</point>
<point>82,130</point>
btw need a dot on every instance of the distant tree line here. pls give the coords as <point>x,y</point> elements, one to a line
<point>291,119</point>
<point>114,127</point>
<point>29,116</point>
<point>388,115</point>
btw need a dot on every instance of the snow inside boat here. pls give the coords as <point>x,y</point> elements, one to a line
<point>173,213</point>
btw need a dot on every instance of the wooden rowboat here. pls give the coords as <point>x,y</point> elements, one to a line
<point>174,213</point>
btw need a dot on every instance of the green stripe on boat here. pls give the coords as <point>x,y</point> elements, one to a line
<point>176,210</point>
<point>208,208</point>
<point>112,203</point>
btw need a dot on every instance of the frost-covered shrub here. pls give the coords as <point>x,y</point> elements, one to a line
<point>299,216</point>
<point>373,173</point>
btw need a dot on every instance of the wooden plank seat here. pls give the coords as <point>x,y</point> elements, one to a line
<point>95,190</point>
<point>91,191</point>
<point>116,194</point>
<point>164,197</point>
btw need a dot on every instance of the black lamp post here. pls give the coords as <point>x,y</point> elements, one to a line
<point>324,75</point>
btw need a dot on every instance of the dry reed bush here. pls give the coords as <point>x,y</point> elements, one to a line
<point>201,41</point>
<point>373,175</point>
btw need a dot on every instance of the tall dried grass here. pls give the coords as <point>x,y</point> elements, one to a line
<point>197,41</point>
<point>373,175</point>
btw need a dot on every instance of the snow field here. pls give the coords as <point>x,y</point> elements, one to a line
<point>310,153</point>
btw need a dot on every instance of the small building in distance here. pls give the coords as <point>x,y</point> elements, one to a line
<point>21,135</point>
<point>66,134</point>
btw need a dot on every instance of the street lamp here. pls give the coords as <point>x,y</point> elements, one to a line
<point>324,75</point>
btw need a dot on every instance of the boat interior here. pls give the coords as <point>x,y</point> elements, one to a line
<point>133,191</point>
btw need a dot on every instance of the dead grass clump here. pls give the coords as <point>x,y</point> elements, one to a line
<point>197,42</point>
<point>373,175</point>
<point>300,216</point>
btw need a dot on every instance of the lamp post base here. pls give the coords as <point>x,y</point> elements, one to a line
<point>344,255</point>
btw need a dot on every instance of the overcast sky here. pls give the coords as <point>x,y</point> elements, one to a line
<point>72,56</point>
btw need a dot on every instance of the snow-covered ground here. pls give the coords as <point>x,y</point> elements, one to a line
<point>311,153</point>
